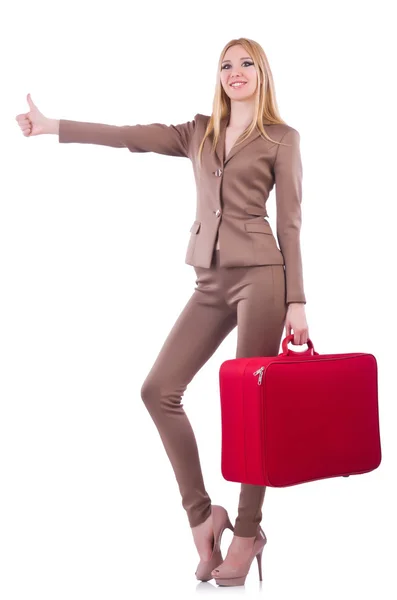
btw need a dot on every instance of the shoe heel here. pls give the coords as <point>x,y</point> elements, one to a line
<point>259,559</point>
<point>229,525</point>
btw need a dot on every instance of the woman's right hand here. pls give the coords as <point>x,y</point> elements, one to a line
<point>34,122</point>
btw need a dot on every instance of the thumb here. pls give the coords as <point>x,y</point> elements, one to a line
<point>31,103</point>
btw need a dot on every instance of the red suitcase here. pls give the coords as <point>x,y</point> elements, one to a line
<point>299,416</point>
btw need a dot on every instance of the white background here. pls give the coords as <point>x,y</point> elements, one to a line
<point>92,247</point>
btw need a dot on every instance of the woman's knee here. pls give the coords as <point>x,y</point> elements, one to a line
<point>150,390</point>
<point>161,393</point>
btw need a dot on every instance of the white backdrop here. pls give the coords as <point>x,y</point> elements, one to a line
<point>92,247</point>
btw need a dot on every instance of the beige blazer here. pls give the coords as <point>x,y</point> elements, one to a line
<point>231,192</point>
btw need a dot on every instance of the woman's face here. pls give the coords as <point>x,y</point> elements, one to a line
<point>237,65</point>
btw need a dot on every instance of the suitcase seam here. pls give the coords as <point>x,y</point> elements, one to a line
<point>245,422</point>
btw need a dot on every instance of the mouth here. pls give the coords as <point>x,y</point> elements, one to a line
<point>237,84</point>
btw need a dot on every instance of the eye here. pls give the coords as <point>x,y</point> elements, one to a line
<point>246,62</point>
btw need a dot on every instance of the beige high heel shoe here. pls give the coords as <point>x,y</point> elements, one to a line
<point>220,522</point>
<point>229,576</point>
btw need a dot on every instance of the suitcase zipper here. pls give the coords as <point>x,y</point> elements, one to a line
<point>260,373</point>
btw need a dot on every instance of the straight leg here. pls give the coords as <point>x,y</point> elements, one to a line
<point>259,293</point>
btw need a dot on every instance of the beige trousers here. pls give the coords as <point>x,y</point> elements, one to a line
<point>253,298</point>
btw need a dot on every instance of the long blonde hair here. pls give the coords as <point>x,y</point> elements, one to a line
<point>265,97</point>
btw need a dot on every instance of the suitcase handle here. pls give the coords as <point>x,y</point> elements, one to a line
<point>287,352</point>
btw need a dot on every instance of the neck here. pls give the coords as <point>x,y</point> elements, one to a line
<point>241,114</point>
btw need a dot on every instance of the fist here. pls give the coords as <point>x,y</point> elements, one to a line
<point>33,122</point>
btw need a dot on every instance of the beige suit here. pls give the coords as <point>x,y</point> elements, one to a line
<point>243,283</point>
<point>231,193</point>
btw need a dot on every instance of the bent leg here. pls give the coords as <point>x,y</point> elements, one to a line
<point>200,328</point>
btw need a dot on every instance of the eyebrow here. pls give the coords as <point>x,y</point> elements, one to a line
<point>243,58</point>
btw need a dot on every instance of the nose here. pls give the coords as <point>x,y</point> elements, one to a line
<point>235,74</point>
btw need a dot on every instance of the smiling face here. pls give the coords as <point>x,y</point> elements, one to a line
<point>237,66</point>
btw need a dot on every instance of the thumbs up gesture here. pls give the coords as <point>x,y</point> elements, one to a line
<point>34,122</point>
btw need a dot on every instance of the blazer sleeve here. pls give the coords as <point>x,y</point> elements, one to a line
<point>173,140</point>
<point>288,180</point>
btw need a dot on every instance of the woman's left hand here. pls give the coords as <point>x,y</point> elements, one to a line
<point>296,320</point>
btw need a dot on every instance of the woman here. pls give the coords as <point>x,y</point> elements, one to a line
<point>243,278</point>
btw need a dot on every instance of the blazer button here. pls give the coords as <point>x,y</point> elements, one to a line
<point>218,172</point>
<point>217,212</point>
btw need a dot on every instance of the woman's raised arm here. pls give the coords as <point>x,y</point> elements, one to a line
<point>173,140</point>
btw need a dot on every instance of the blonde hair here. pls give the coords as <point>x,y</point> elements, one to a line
<point>265,97</point>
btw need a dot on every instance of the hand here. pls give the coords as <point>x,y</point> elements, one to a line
<point>33,122</point>
<point>296,320</point>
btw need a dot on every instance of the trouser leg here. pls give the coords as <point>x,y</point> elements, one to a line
<point>200,328</point>
<point>259,293</point>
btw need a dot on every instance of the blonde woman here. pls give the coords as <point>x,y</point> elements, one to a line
<point>243,278</point>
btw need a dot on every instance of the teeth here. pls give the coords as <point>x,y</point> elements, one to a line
<point>237,84</point>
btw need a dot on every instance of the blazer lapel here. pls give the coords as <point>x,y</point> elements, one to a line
<point>220,147</point>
